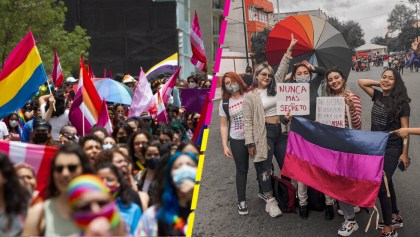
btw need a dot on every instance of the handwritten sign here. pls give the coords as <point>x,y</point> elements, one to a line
<point>331,111</point>
<point>293,97</point>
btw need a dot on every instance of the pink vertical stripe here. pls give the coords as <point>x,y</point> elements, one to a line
<point>209,113</point>
<point>227,7</point>
<point>222,32</point>
<point>4,147</point>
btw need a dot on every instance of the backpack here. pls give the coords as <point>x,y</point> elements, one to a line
<point>285,194</point>
<point>316,199</point>
<point>225,106</point>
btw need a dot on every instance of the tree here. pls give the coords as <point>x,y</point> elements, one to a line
<point>45,18</point>
<point>351,31</point>
<point>399,17</point>
<point>258,43</point>
<point>379,40</point>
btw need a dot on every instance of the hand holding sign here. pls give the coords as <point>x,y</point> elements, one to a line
<point>293,97</point>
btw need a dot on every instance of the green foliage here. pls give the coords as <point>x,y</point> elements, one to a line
<point>351,31</point>
<point>399,17</point>
<point>379,40</point>
<point>258,43</point>
<point>45,18</point>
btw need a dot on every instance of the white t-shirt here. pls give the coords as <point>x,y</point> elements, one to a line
<point>57,122</point>
<point>3,130</point>
<point>236,117</point>
<point>269,103</point>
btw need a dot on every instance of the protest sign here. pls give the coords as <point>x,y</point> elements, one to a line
<point>293,97</point>
<point>331,111</point>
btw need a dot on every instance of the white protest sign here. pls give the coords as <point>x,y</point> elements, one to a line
<point>331,111</point>
<point>293,97</point>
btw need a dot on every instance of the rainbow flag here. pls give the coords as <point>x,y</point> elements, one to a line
<point>22,74</point>
<point>86,108</point>
<point>346,164</point>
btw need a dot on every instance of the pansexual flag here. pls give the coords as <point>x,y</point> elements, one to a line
<point>22,74</point>
<point>343,163</point>
<point>39,157</point>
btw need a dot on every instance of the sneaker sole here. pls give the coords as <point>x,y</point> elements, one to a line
<point>396,226</point>
<point>273,215</point>
<point>243,213</point>
<point>354,230</point>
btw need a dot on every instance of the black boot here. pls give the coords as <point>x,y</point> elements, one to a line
<point>303,212</point>
<point>329,212</point>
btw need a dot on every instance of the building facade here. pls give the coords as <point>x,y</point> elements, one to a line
<point>276,17</point>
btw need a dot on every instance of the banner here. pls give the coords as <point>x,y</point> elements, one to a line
<point>193,99</point>
<point>331,111</point>
<point>293,97</point>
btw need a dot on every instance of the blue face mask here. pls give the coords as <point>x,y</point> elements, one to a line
<point>183,173</point>
<point>303,80</point>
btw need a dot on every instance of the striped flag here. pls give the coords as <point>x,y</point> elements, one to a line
<point>162,116</point>
<point>57,72</point>
<point>104,120</point>
<point>39,157</point>
<point>166,90</point>
<point>86,108</point>
<point>23,73</point>
<point>343,163</point>
<point>143,97</point>
<point>166,66</point>
<point>198,132</point>
<point>197,45</point>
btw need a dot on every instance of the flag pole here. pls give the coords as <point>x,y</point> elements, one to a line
<point>49,88</point>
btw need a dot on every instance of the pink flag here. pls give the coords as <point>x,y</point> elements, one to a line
<point>197,45</point>
<point>161,110</point>
<point>166,90</point>
<point>86,107</point>
<point>57,72</point>
<point>39,157</point>
<point>103,120</point>
<point>143,96</point>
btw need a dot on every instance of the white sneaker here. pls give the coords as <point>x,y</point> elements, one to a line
<point>348,228</point>
<point>356,210</point>
<point>242,208</point>
<point>272,207</point>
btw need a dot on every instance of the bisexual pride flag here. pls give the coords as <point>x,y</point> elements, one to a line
<point>342,163</point>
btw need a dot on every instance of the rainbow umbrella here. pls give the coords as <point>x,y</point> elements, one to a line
<point>318,42</point>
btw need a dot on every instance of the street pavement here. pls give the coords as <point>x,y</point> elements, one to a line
<point>216,213</point>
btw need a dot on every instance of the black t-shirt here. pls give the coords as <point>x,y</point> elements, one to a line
<point>248,79</point>
<point>382,122</point>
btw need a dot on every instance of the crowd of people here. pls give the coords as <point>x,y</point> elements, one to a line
<point>137,180</point>
<point>251,128</point>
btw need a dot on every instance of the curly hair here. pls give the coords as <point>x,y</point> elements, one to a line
<point>398,98</point>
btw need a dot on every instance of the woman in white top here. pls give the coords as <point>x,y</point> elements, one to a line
<point>53,109</point>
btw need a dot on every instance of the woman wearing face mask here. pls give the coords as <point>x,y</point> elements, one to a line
<point>89,199</point>
<point>14,199</point>
<point>135,145</point>
<point>52,217</point>
<point>13,127</point>
<point>130,212</point>
<point>232,131</point>
<point>122,132</point>
<point>151,156</point>
<point>169,216</point>
<point>336,87</point>
<point>301,73</point>
<point>390,111</point>
<point>262,124</point>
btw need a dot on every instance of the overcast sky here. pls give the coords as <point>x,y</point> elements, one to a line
<point>372,15</point>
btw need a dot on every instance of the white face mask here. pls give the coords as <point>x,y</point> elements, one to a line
<point>303,80</point>
<point>232,88</point>
<point>107,146</point>
<point>192,85</point>
<point>13,123</point>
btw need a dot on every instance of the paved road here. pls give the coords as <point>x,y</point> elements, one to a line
<point>217,215</point>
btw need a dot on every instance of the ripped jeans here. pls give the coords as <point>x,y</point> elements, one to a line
<point>264,173</point>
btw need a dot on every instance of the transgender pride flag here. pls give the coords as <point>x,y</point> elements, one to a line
<point>343,163</point>
<point>39,157</point>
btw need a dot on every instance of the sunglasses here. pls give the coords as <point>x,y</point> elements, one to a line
<point>267,75</point>
<point>59,168</point>
<point>88,206</point>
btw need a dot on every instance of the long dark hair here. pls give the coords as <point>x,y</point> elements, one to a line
<point>16,197</point>
<point>295,68</point>
<point>124,189</point>
<point>60,104</point>
<point>128,129</point>
<point>131,150</point>
<point>398,98</point>
<point>67,149</point>
<point>235,78</point>
<point>271,89</point>
<point>327,90</point>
